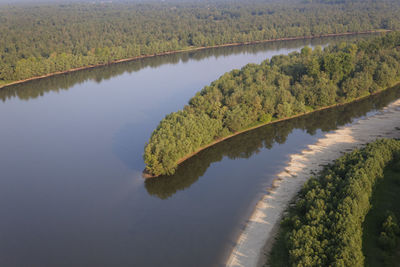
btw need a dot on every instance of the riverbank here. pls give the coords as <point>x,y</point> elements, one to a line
<point>254,242</point>
<point>189,49</point>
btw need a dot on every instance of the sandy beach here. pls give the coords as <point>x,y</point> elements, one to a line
<point>257,237</point>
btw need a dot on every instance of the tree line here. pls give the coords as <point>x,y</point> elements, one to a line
<point>36,88</point>
<point>248,144</point>
<point>278,88</point>
<point>37,39</point>
<point>324,227</point>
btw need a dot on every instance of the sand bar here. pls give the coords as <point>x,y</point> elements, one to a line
<point>256,238</point>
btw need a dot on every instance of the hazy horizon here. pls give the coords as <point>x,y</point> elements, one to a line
<point>11,2</point>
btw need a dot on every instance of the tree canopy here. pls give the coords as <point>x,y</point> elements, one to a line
<point>278,88</point>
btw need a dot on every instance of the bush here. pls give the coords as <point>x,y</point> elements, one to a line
<point>388,238</point>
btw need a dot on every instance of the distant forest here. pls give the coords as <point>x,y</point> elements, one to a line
<point>37,39</point>
<point>275,89</point>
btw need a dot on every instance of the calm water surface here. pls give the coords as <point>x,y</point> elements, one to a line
<point>71,192</point>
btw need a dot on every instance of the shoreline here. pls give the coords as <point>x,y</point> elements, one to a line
<point>147,175</point>
<point>189,49</point>
<point>255,241</point>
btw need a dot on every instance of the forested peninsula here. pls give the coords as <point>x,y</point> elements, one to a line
<point>41,39</point>
<point>280,88</point>
<point>325,226</point>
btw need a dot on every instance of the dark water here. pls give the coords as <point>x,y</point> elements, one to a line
<point>71,192</point>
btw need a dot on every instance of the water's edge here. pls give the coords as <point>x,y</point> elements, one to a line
<point>255,240</point>
<point>190,49</point>
<point>147,175</point>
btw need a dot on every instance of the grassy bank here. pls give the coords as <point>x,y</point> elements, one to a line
<point>385,200</point>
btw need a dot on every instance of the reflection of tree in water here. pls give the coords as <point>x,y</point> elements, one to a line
<point>36,88</point>
<point>247,144</point>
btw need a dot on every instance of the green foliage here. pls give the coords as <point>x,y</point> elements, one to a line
<point>380,228</point>
<point>265,118</point>
<point>37,39</point>
<point>324,228</point>
<point>388,238</point>
<point>179,134</point>
<point>248,144</point>
<point>276,89</point>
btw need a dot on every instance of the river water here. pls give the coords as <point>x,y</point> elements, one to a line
<point>71,191</point>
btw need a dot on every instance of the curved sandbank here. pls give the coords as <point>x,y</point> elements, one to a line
<point>188,50</point>
<point>256,239</point>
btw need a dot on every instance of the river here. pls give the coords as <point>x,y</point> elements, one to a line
<point>71,191</point>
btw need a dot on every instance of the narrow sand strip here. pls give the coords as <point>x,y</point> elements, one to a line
<point>259,232</point>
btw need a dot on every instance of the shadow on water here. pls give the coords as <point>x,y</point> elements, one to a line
<point>37,88</point>
<point>247,144</point>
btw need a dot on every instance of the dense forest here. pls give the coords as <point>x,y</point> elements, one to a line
<point>278,88</point>
<point>324,227</point>
<point>250,143</point>
<point>37,39</point>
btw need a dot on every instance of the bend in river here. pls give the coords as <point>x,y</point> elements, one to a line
<point>258,236</point>
<point>71,162</point>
